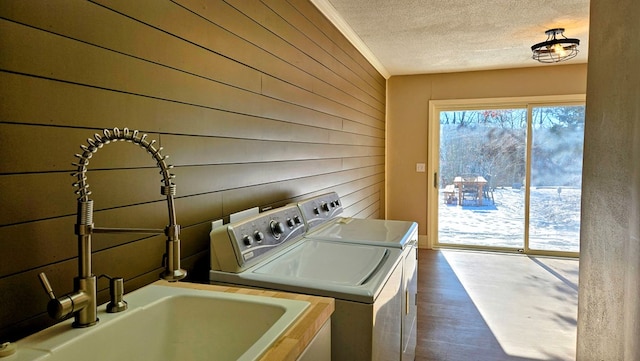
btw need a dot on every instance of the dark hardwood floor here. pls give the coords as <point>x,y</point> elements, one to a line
<point>487,306</point>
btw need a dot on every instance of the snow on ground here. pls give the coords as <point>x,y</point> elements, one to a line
<point>554,215</point>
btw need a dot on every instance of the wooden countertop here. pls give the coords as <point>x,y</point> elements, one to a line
<point>296,338</point>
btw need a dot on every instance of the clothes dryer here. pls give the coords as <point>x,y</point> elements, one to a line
<point>322,216</point>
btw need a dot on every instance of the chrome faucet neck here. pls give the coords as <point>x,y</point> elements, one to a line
<point>84,225</point>
<point>83,301</point>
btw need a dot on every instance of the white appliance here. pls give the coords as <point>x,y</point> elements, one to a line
<point>322,217</point>
<point>270,251</point>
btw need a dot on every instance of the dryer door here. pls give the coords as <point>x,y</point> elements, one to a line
<point>366,231</point>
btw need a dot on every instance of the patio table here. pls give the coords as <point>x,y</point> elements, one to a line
<point>475,182</point>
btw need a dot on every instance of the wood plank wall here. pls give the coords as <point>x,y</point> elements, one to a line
<point>257,103</point>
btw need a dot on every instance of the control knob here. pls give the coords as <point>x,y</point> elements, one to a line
<point>290,222</point>
<point>259,236</point>
<point>247,240</point>
<point>325,207</point>
<point>277,228</point>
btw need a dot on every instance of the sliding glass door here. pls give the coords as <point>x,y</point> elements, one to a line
<point>507,176</point>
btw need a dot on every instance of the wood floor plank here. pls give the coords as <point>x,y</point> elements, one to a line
<point>461,318</point>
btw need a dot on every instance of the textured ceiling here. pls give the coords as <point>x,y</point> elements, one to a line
<point>435,36</point>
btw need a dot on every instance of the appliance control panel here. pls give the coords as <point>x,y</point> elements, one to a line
<point>318,210</point>
<point>239,245</point>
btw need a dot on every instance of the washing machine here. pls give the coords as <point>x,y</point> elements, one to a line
<point>322,216</point>
<point>270,251</point>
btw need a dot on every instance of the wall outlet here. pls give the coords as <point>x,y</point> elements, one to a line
<point>420,167</point>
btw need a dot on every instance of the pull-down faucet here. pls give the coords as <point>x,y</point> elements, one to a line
<point>83,301</point>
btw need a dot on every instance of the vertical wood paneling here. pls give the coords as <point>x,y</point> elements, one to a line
<point>257,103</point>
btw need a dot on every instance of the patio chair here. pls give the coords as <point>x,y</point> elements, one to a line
<point>450,194</point>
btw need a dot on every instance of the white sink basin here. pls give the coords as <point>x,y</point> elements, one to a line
<point>170,323</point>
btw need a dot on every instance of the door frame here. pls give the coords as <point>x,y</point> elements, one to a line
<point>433,157</point>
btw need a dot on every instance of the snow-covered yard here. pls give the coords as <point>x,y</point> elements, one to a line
<point>554,220</point>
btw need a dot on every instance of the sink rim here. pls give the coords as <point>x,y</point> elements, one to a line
<point>56,338</point>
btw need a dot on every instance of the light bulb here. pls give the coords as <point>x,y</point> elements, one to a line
<point>559,49</point>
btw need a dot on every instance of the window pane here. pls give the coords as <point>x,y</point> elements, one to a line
<point>482,172</point>
<point>556,178</point>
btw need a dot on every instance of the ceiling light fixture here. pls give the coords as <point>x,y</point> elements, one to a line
<point>555,49</point>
